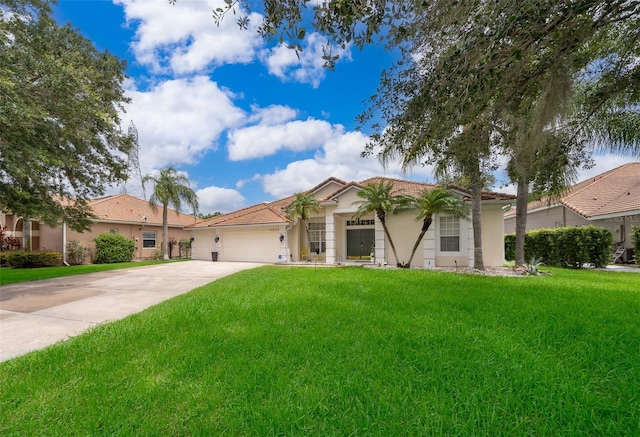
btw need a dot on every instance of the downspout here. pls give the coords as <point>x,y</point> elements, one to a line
<point>64,243</point>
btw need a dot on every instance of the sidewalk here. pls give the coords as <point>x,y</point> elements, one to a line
<point>36,314</point>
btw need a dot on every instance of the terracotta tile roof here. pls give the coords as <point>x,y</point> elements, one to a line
<point>126,208</point>
<point>259,214</point>
<point>613,192</point>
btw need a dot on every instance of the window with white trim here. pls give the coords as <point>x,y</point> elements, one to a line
<point>449,234</point>
<point>318,236</point>
<point>149,239</point>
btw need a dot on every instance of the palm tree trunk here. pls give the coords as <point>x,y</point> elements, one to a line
<point>393,247</point>
<point>476,221</point>
<point>425,227</point>
<point>165,233</point>
<point>26,234</point>
<point>521,218</point>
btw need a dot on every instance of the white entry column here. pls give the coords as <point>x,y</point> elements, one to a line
<point>429,247</point>
<point>470,251</point>
<point>330,233</point>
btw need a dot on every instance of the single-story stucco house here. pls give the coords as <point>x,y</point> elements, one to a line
<point>118,214</point>
<point>610,200</point>
<point>262,232</point>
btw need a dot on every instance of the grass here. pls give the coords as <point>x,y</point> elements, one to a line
<point>13,276</point>
<point>348,351</point>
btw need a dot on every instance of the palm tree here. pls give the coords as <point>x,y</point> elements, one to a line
<point>170,188</point>
<point>302,206</point>
<point>378,198</point>
<point>430,202</point>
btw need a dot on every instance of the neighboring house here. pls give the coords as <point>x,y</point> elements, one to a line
<point>610,200</point>
<point>262,232</point>
<point>118,214</point>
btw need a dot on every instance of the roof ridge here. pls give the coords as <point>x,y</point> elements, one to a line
<point>595,179</point>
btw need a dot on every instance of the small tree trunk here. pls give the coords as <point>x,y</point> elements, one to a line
<point>165,233</point>
<point>426,224</point>
<point>521,218</point>
<point>26,233</point>
<point>393,247</point>
<point>476,221</point>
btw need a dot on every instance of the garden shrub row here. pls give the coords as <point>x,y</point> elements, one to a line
<point>635,237</point>
<point>25,260</point>
<point>565,247</point>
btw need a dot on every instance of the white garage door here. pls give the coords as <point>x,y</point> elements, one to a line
<point>251,246</point>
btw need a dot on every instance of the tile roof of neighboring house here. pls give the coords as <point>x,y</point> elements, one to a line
<point>613,192</point>
<point>126,208</point>
<point>273,212</point>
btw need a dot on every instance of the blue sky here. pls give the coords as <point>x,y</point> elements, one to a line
<point>247,121</point>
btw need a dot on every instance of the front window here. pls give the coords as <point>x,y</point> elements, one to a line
<point>449,234</point>
<point>149,239</point>
<point>318,237</point>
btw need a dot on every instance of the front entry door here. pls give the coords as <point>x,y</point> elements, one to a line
<point>360,242</point>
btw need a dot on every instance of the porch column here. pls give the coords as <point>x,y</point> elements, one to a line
<point>380,251</point>
<point>330,235</point>
<point>429,248</point>
<point>470,254</point>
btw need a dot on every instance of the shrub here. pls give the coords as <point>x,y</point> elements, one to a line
<point>635,238</point>
<point>565,247</point>
<point>76,253</point>
<point>157,255</point>
<point>3,258</point>
<point>113,248</point>
<point>24,260</point>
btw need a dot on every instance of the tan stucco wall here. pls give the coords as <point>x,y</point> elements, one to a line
<point>404,230</point>
<point>346,200</point>
<point>547,218</point>
<point>326,191</point>
<point>492,236</point>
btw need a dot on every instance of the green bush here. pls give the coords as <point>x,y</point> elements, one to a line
<point>635,237</point>
<point>3,258</point>
<point>113,248</point>
<point>565,247</point>
<point>76,253</point>
<point>24,260</point>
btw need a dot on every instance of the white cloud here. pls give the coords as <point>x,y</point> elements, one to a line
<point>264,140</point>
<point>305,66</point>
<point>271,115</point>
<point>603,162</point>
<point>180,120</point>
<point>339,157</point>
<point>216,199</point>
<point>183,38</point>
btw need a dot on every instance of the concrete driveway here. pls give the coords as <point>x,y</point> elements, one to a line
<point>36,314</point>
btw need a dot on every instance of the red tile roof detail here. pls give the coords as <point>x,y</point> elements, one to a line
<point>126,208</point>
<point>616,191</point>
<point>259,214</point>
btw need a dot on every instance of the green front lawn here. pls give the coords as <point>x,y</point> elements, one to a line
<point>12,276</point>
<point>348,351</point>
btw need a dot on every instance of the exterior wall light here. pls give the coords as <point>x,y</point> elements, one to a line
<point>281,238</point>
<point>217,238</point>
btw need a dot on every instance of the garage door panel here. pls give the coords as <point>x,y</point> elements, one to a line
<point>251,246</point>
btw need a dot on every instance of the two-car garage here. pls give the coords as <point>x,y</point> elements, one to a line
<point>251,244</point>
<point>258,245</point>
